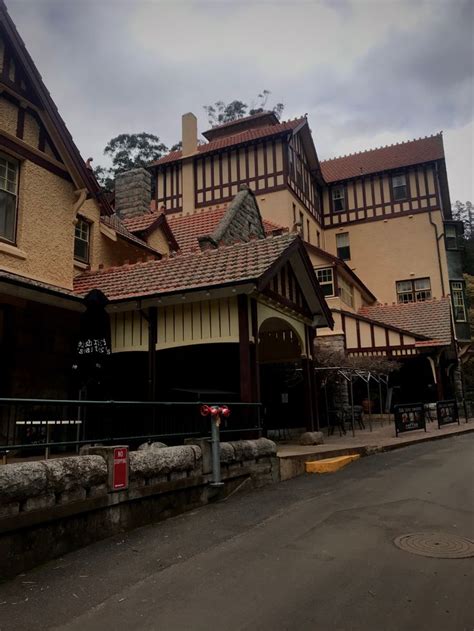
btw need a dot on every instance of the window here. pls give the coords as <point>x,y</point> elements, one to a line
<point>338,199</point>
<point>416,290</point>
<point>459,306</point>
<point>294,214</point>
<point>451,237</point>
<point>81,240</point>
<point>346,292</point>
<point>342,244</point>
<point>399,187</point>
<point>8,197</point>
<point>326,280</point>
<point>318,238</point>
<point>301,225</point>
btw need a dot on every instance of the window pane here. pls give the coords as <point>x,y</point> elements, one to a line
<point>342,239</point>
<point>81,241</point>
<point>422,283</point>
<point>399,180</point>
<point>7,216</point>
<point>404,285</point>
<point>8,174</point>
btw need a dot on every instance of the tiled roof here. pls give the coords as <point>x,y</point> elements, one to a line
<point>384,158</point>
<point>142,222</point>
<point>225,265</point>
<point>236,139</point>
<point>187,228</point>
<point>117,224</point>
<point>252,121</point>
<point>431,318</point>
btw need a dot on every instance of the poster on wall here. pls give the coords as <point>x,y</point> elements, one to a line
<point>447,412</point>
<point>409,417</point>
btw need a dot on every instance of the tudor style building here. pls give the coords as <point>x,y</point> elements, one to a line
<point>377,226</point>
<point>221,268</point>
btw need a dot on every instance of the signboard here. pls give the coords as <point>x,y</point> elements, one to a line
<point>447,412</point>
<point>409,417</point>
<point>120,469</point>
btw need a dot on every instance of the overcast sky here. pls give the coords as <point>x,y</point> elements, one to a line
<point>367,73</point>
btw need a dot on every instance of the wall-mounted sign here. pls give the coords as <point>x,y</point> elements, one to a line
<point>409,417</point>
<point>447,412</point>
<point>120,469</point>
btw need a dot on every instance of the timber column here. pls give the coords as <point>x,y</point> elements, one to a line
<point>249,378</point>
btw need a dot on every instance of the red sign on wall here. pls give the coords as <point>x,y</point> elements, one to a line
<point>120,472</point>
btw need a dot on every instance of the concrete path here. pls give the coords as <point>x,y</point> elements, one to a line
<point>382,438</point>
<point>314,553</point>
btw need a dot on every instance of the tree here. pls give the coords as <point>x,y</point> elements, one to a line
<point>220,112</point>
<point>129,151</point>
<point>464,212</point>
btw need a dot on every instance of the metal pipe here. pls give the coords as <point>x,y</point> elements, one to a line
<point>380,401</point>
<point>352,408</point>
<point>216,451</point>
<point>369,402</point>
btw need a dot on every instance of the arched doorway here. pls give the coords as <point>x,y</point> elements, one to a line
<point>282,384</point>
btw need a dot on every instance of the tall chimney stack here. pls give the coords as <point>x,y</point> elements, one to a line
<point>132,193</point>
<point>189,132</point>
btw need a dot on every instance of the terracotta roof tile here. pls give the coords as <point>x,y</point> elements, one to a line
<point>431,318</point>
<point>236,139</point>
<point>142,222</point>
<point>225,265</point>
<point>384,158</point>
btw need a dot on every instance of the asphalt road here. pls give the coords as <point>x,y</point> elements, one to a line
<point>314,553</point>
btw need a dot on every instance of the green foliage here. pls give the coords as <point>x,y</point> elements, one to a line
<point>129,151</point>
<point>465,212</point>
<point>220,112</point>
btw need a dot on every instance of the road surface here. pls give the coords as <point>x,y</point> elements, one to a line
<point>314,553</point>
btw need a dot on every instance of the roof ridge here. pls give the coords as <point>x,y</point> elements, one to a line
<point>394,144</point>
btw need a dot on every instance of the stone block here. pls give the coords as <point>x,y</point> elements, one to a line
<point>97,490</point>
<point>149,464</point>
<point>312,438</point>
<point>151,446</point>
<point>73,495</point>
<point>21,480</point>
<point>9,510</point>
<point>39,503</point>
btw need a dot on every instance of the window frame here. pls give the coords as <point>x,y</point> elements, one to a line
<point>344,247</point>
<point>331,282</point>
<point>16,161</point>
<point>456,246</point>
<point>341,187</point>
<point>413,291</point>
<point>395,199</point>
<point>89,234</point>
<point>462,290</point>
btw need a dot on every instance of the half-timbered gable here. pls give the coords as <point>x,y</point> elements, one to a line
<point>392,181</point>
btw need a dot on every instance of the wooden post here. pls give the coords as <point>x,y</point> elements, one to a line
<point>152,337</point>
<point>246,377</point>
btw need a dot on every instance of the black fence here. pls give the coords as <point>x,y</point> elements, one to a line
<point>34,426</point>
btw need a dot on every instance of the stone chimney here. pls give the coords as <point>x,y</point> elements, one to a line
<point>189,133</point>
<point>132,193</point>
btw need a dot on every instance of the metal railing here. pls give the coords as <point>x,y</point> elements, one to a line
<point>52,426</point>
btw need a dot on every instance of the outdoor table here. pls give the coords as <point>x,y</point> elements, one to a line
<point>48,424</point>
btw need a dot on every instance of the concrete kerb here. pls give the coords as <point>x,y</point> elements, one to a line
<point>294,465</point>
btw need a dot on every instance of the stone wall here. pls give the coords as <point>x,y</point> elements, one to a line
<point>52,507</point>
<point>132,193</point>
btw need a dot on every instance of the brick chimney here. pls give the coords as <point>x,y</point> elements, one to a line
<point>189,133</point>
<point>132,193</point>
<point>189,140</point>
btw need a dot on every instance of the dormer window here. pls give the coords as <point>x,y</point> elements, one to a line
<point>82,240</point>
<point>451,237</point>
<point>8,197</point>
<point>399,187</point>
<point>338,199</point>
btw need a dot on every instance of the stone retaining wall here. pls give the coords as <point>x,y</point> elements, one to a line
<point>51,507</point>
